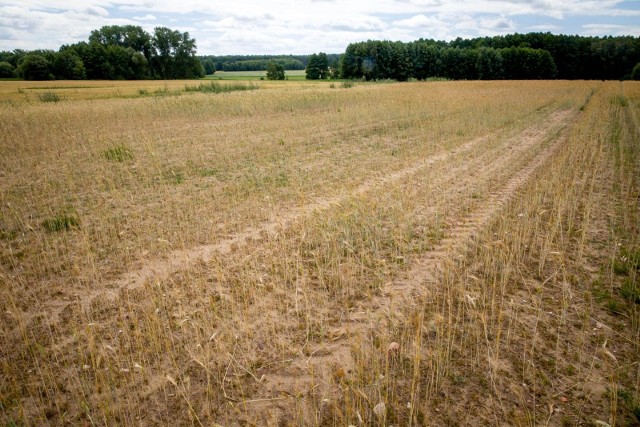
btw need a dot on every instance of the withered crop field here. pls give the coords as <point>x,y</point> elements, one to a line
<point>334,254</point>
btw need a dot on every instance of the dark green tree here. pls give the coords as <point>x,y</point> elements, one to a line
<point>174,55</point>
<point>209,66</point>
<point>127,36</point>
<point>317,67</point>
<point>35,67</point>
<point>6,70</point>
<point>375,60</point>
<point>94,58</point>
<point>527,63</point>
<point>67,65</point>
<point>399,68</point>
<point>488,64</point>
<point>275,71</point>
<point>635,73</point>
<point>427,59</point>
<point>351,61</point>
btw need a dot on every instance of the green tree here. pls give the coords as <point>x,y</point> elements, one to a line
<point>635,73</point>
<point>67,65</point>
<point>317,67</point>
<point>35,67</point>
<point>488,64</point>
<point>174,55</point>
<point>94,59</point>
<point>127,36</point>
<point>527,63</point>
<point>374,60</point>
<point>6,70</point>
<point>209,66</point>
<point>427,59</point>
<point>400,67</point>
<point>275,71</point>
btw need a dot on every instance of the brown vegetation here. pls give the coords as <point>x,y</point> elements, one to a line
<point>455,253</point>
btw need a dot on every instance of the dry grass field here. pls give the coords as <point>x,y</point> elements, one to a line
<point>441,254</point>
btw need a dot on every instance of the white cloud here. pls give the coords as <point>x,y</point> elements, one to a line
<point>419,21</point>
<point>147,17</point>
<point>358,24</point>
<point>304,26</point>
<point>498,24</point>
<point>543,28</point>
<point>611,29</point>
<point>96,11</point>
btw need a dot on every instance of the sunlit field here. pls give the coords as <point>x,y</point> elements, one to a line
<point>20,91</point>
<point>335,253</point>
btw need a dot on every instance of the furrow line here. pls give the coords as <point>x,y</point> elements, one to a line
<point>425,273</point>
<point>161,268</point>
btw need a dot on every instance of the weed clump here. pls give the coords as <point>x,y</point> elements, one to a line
<point>49,97</point>
<point>119,153</point>
<point>619,100</point>
<point>61,222</point>
<point>214,87</point>
<point>162,91</point>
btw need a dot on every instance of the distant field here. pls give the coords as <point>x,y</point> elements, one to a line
<point>30,91</point>
<point>298,253</point>
<point>254,75</point>
<point>20,90</point>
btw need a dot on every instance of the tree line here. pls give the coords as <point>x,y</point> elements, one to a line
<point>128,52</point>
<point>517,56</point>
<point>252,62</point>
<point>113,52</point>
<point>260,62</point>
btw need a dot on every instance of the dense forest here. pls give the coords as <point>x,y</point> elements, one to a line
<point>517,56</point>
<point>113,52</point>
<point>260,62</point>
<point>254,62</point>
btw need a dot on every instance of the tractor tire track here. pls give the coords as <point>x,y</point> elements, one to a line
<point>317,362</point>
<point>316,369</point>
<point>160,269</point>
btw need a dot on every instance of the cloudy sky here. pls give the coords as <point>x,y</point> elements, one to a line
<point>307,26</point>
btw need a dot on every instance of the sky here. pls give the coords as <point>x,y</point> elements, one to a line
<point>309,26</point>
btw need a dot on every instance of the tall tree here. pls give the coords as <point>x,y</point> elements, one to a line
<point>127,36</point>
<point>174,55</point>
<point>6,70</point>
<point>209,66</point>
<point>68,65</point>
<point>35,67</point>
<point>317,67</point>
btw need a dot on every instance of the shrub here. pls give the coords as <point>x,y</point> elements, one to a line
<point>214,87</point>
<point>119,153</point>
<point>61,222</point>
<point>49,97</point>
<point>630,291</point>
<point>620,100</point>
<point>275,71</point>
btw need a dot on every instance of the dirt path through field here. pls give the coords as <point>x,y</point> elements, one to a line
<point>316,368</point>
